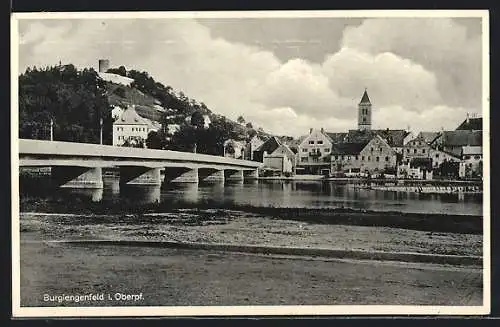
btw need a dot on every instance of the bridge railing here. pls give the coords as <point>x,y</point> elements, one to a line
<point>70,149</point>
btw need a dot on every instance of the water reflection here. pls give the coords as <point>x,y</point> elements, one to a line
<point>95,195</point>
<point>140,194</point>
<point>269,194</point>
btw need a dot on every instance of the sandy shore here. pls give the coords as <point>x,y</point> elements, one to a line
<point>236,227</point>
<point>186,277</point>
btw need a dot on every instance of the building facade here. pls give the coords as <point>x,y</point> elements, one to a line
<point>131,129</point>
<point>281,160</point>
<point>314,153</point>
<point>374,156</point>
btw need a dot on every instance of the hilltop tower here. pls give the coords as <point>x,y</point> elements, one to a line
<point>103,65</point>
<point>365,113</point>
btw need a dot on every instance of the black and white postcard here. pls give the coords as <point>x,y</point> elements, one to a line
<point>250,163</point>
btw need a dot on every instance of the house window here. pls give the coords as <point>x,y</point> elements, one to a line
<point>477,157</point>
<point>327,150</point>
<point>414,150</point>
<point>377,159</point>
<point>311,142</point>
<point>348,157</point>
<point>303,159</point>
<point>423,150</point>
<point>371,149</point>
<point>369,158</point>
<point>304,150</point>
<point>364,119</point>
<point>467,157</point>
<point>362,158</point>
<point>380,149</point>
<point>386,158</point>
<point>356,157</point>
<point>407,150</point>
<point>342,158</point>
<point>437,155</point>
<point>320,142</point>
<point>336,157</point>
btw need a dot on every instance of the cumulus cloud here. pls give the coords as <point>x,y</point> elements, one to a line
<point>440,45</point>
<point>409,67</point>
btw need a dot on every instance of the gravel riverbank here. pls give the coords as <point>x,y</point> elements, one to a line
<point>237,227</point>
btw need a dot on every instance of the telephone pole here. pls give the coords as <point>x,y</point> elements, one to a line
<point>100,128</point>
<point>51,129</point>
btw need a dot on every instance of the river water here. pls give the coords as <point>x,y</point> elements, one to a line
<point>260,193</point>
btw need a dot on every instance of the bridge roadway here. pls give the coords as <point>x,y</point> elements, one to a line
<point>80,165</point>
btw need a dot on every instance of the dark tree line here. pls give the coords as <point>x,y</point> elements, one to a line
<point>74,99</point>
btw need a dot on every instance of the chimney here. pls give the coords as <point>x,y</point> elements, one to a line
<point>310,130</point>
<point>467,119</point>
<point>322,130</point>
<point>103,65</point>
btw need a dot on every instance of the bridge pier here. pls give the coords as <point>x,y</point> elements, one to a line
<point>140,176</point>
<point>211,175</point>
<point>231,175</point>
<point>181,175</point>
<point>251,174</point>
<point>77,177</point>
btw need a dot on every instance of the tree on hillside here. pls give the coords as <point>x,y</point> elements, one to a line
<point>119,71</point>
<point>240,120</point>
<point>208,140</point>
<point>74,99</point>
<point>197,120</point>
<point>249,125</point>
<point>251,133</point>
<point>155,140</point>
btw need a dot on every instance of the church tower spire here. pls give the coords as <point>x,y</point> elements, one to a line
<point>365,113</point>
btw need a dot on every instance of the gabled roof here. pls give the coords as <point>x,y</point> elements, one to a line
<point>348,148</point>
<point>337,137</point>
<point>393,137</point>
<point>270,145</point>
<point>428,137</point>
<point>365,99</point>
<point>461,138</point>
<point>471,124</point>
<point>285,148</point>
<point>130,117</point>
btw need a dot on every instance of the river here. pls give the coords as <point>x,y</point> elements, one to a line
<point>261,193</point>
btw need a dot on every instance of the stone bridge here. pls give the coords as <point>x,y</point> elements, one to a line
<point>80,165</point>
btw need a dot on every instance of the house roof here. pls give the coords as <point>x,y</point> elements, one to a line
<point>131,117</point>
<point>461,138</point>
<point>428,137</point>
<point>393,137</point>
<point>471,124</point>
<point>270,145</point>
<point>472,150</point>
<point>365,99</point>
<point>346,148</point>
<point>286,149</point>
<point>337,137</point>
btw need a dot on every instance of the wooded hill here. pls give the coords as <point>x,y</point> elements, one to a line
<point>76,100</point>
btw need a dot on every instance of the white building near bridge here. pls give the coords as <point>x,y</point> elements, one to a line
<point>131,128</point>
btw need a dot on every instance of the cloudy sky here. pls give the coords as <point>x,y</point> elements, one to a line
<point>287,74</point>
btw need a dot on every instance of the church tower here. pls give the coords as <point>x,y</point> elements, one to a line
<point>364,113</point>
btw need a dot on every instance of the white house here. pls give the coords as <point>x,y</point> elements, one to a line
<point>131,127</point>
<point>314,152</point>
<point>282,160</point>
